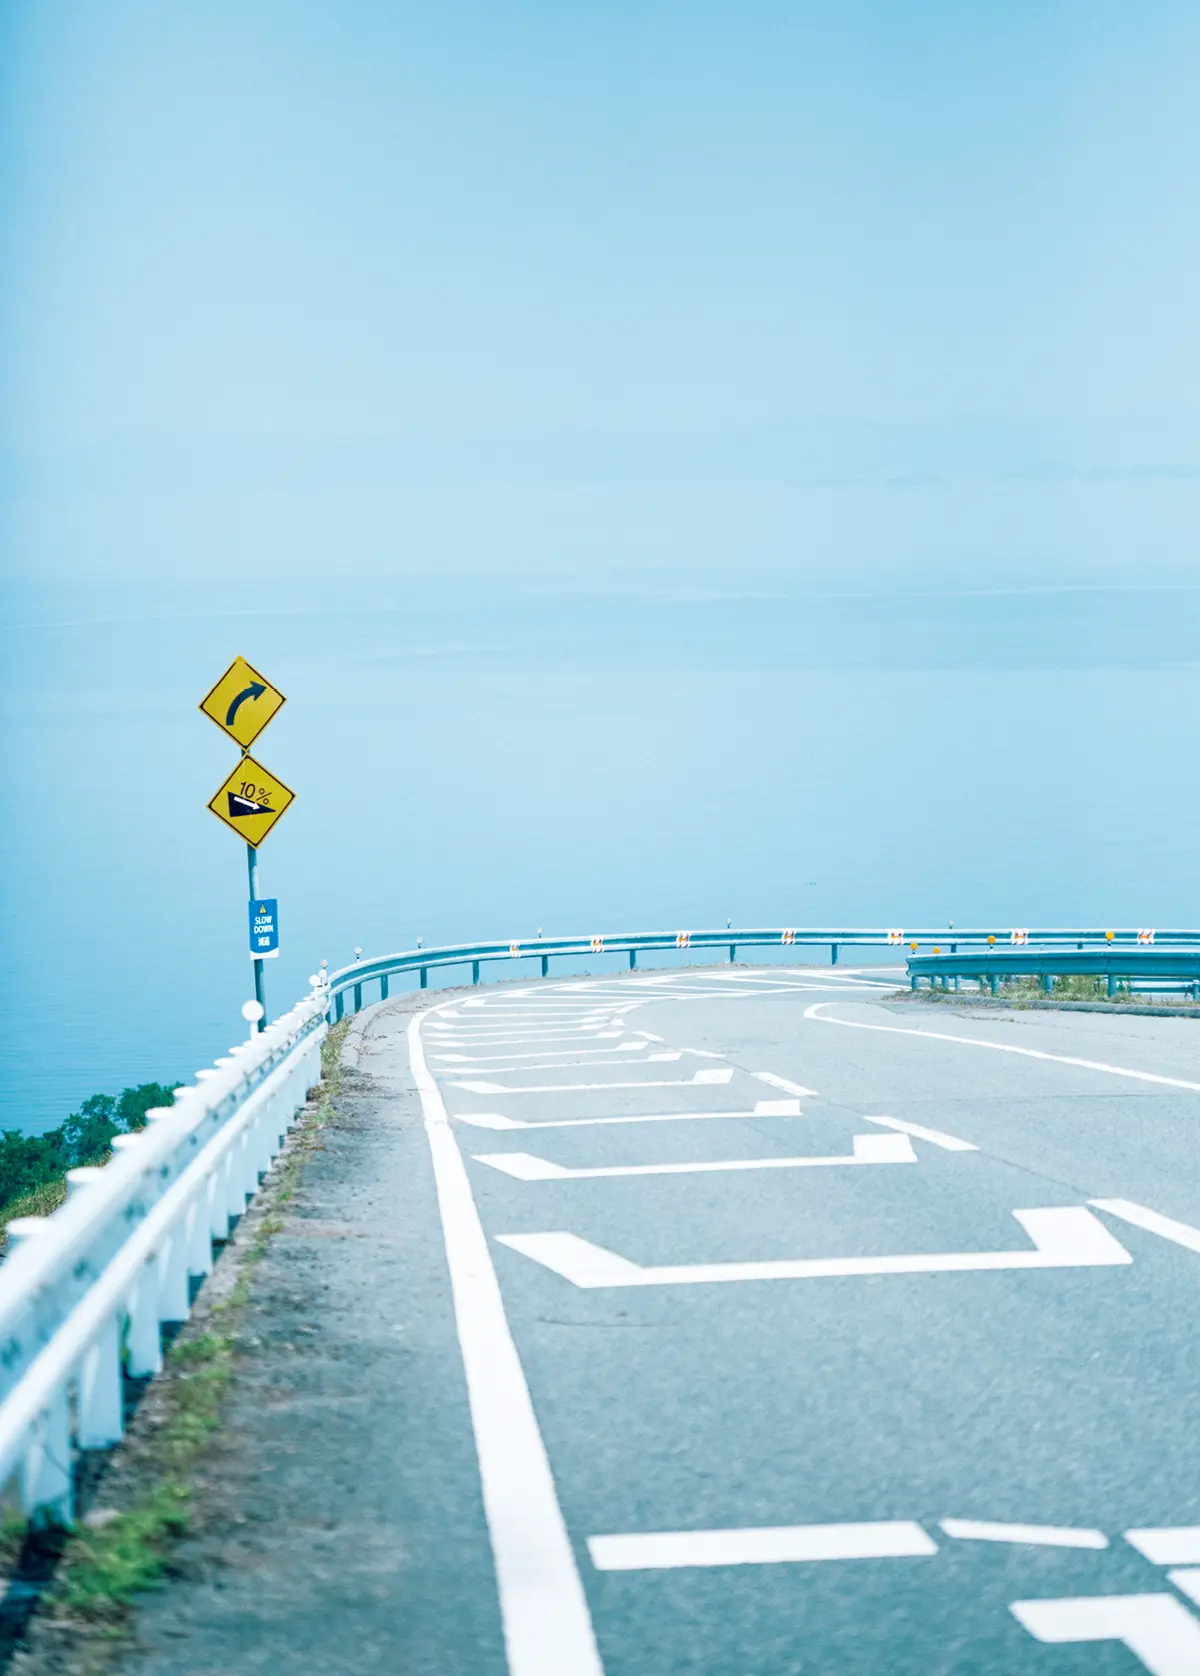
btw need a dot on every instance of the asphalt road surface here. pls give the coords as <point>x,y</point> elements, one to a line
<point>722,1322</point>
<point>805,1332</point>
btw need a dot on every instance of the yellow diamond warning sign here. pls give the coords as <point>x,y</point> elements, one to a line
<point>242,702</point>
<point>251,801</point>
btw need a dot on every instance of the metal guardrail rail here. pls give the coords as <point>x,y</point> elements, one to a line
<point>85,1293</point>
<point>352,980</point>
<point>1149,964</point>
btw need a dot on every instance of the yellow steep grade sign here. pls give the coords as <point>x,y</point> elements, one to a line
<point>250,801</point>
<point>242,702</point>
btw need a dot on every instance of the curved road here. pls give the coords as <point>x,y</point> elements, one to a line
<point>805,1330</point>
<point>860,1337</point>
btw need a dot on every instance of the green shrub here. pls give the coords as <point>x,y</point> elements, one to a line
<point>32,1167</point>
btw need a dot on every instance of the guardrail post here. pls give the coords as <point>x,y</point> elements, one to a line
<point>358,998</point>
<point>632,959</point>
<point>1047,983</point>
<point>1112,985</point>
<point>383,987</point>
<point>474,971</point>
<point>101,1408</point>
<point>46,1469</point>
<point>171,1281</point>
<point>145,1342</point>
<point>424,977</point>
<point>914,982</point>
<point>339,1005</point>
<point>833,953</point>
<point>732,953</point>
<point>545,965</point>
<point>994,983</point>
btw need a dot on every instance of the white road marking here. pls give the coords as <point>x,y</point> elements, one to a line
<point>547,1053</point>
<point>1064,1237</point>
<point>503,1033</point>
<point>1043,1536</point>
<point>702,1078</point>
<point>1179,1233</point>
<point>1187,1582</point>
<point>816,977</point>
<point>1157,1629</point>
<point>1168,1545</point>
<point>775,1545</point>
<point>935,1137</point>
<point>814,1012</point>
<point>784,1084</point>
<point>544,1611</point>
<point>868,1149</point>
<point>495,1120</point>
<point>486,1063</point>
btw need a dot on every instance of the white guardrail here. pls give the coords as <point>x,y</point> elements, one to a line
<point>84,1293</point>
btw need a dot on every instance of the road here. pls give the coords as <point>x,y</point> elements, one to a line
<point>859,1337</point>
<point>721,1322</point>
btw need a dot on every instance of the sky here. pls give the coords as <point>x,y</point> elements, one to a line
<point>680,462</point>
<point>518,287</point>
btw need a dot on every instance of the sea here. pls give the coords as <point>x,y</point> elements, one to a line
<point>480,756</point>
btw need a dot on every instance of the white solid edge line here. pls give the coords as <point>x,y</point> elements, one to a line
<point>935,1137</point>
<point>1179,1233</point>
<point>814,1012</point>
<point>544,1611</point>
<point>778,1545</point>
<point>1045,1536</point>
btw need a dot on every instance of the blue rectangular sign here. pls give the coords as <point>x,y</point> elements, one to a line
<point>264,928</point>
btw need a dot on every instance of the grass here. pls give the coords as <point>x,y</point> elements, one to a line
<point>106,1564</point>
<point>39,1201</point>
<point>1078,988</point>
<point>1081,988</point>
<point>1072,988</point>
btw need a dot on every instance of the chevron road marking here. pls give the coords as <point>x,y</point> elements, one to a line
<point>868,1149</point>
<point>544,1053</point>
<point>503,1039</point>
<point>773,1081</point>
<point>1168,1545</point>
<point>1179,1233</point>
<point>1157,1629</point>
<point>1041,1536</point>
<point>701,1078</point>
<point>883,1539</point>
<point>496,1120</point>
<point>948,1143</point>
<point>1064,1237</point>
<point>1187,1582</point>
<point>485,1063</point>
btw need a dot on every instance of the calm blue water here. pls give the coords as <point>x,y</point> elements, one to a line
<point>478,758</point>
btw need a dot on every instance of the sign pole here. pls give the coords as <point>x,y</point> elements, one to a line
<point>249,802</point>
<point>252,871</point>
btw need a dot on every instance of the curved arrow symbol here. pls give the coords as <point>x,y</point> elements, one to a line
<point>254,690</point>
